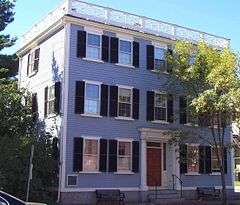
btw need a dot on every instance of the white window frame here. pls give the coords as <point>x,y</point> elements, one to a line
<point>197,147</point>
<point>31,62</point>
<point>119,51</point>
<point>131,101</point>
<point>98,153</point>
<point>161,93</point>
<point>130,156</point>
<point>214,170</point>
<point>100,46</point>
<point>99,96</point>
<point>50,100</point>
<point>165,50</point>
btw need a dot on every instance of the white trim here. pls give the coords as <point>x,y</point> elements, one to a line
<point>72,175</point>
<point>93,60</point>
<point>124,139</point>
<point>93,30</point>
<point>159,45</point>
<point>216,187</point>
<point>93,82</point>
<point>124,118</point>
<point>100,47</point>
<point>124,173</point>
<point>124,86</point>
<point>91,115</point>
<point>124,65</point>
<point>125,37</point>
<point>89,172</point>
<point>166,101</point>
<point>89,137</point>
<point>160,122</point>
<point>128,141</point>
<point>143,169</point>
<point>215,174</point>
<point>131,103</point>
<point>94,189</point>
<point>131,63</point>
<point>192,174</point>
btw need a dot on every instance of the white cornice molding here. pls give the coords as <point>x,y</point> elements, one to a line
<point>151,134</point>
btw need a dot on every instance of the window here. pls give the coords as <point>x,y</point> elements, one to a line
<point>125,102</point>
<point>160,107</point>
<point>124,156</point>
<point>92,99</point>
<point>33,61</point>
<point>90,155</point>
<point>93,46</point>
<point>125,52</point>
<point>71,180</point>
<point>193,158</point>
<point>159,59</point>
<point>51,100</point>
<point>215,166</point>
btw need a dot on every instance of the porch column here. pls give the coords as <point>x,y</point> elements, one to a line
<point>176,167</point>
<point>143,185</point>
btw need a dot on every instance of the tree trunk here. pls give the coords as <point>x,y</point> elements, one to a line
<point>224,192</point>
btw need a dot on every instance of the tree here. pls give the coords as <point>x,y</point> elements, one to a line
<point>209,78</point>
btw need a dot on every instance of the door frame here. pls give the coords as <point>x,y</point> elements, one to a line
<point>155,147</point>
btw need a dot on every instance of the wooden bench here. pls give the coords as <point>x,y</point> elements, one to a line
<point>208,192</point>
<point>109,195</point>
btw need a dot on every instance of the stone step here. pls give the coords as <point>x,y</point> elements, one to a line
<point>167,201</point>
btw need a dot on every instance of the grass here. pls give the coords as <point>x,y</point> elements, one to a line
<point>237,183</point>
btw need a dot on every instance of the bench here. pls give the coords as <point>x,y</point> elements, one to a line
<point>208,192</point>
<point>109,195</point>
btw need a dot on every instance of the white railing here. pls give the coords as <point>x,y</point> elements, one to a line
<point>126,20</point>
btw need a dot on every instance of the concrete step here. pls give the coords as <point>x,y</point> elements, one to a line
<point>167,201</point>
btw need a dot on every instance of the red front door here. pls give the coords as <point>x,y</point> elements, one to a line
<point>154,167</point>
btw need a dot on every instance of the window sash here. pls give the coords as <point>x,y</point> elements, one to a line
<point>192,164</point>
<point>51,100</point>
<point>124,104</point>
<point>125,57</point>
<point>90,158</point>
<point>160,108</point>
<point>215,167</point>
<point>124,161</point>
<point>93,51</point>
<point>159,61</point>
<point>92,104</point>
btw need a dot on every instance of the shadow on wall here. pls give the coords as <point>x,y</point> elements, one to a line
<point>56,74</point>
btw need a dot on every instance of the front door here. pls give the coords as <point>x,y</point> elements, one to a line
<point>154,167</point>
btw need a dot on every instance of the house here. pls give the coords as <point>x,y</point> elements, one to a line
<point>94,74</point>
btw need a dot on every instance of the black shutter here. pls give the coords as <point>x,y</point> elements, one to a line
<point>112,156</point>
<point>81,44</point>
<point>135,54</point>
<point>36,59</point>
<point>183,158</point>
<point>57,101</point>
<point>114,50</point>
<point>78,154</point>
<point>34,107</point>
<point>150,57</point>
<point>105,48</point>
<point>201,159</point>
<point>79,97</point>
<point>113,101</point>
<point>45,101</point>
<point>135,103</point>
<point>225,160</point>
<point>183,109</point>
<point>103,155</point>
<point>104,100</point>
<point>135,156</point>
<point>169,52</point>
<point>208,159</point>
<point>28,63</point>
<point>203,120</point>
<point>170,114</point>
<point>150,105</point>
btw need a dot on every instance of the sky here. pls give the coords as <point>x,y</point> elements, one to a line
<point>220,17</point>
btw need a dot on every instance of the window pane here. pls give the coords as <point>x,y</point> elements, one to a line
<point>124,148</point>
<point>160,113</point>
<point>125,95</point>
<point>91,147</point>
<point>91,106</point>
<point>92,91</point>
<point>160,100</point>
<point>93,52</point>
<point>51,93</point>
<point>51,107</point>
<point>160,65</point>
<point>215,166</point>
<point>125,58</point>
<point>94,40</point>
<point>193,159</point>
<point>125,46</point>
<point>90,163</point>
<point>124,164</point>
<point>159,53</point>
<point>124,110</point>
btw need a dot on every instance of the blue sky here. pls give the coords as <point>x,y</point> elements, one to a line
<point>219,17</point>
